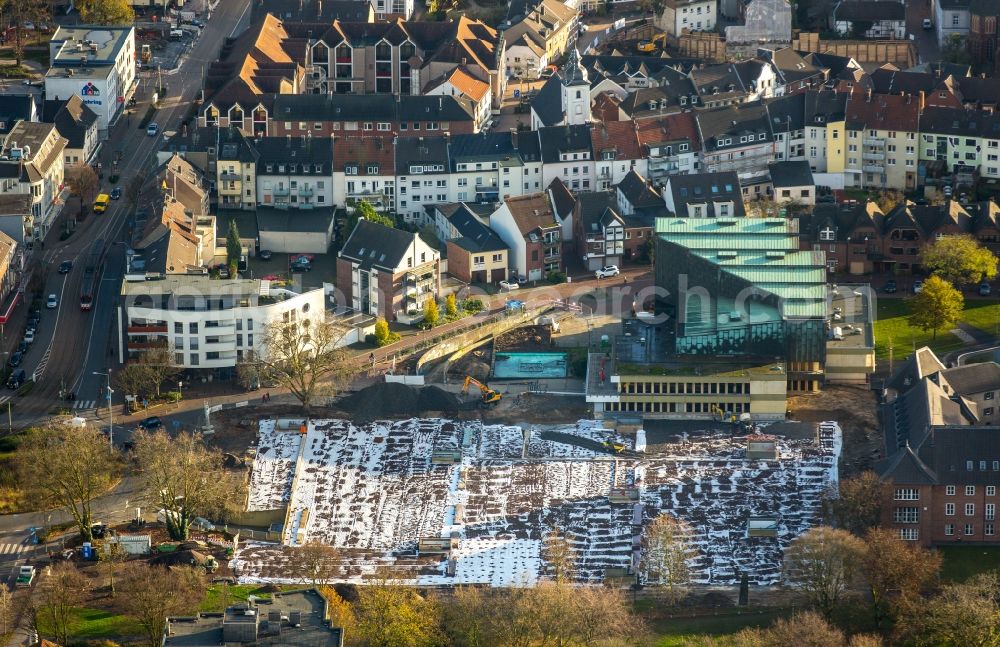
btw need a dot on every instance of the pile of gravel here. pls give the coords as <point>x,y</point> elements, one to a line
<point>390,399</point>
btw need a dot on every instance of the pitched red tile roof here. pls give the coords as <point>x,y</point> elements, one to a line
<point>884,111</point>
<point>364,151</point>
<point>681,125</point>
<point>619,136</point>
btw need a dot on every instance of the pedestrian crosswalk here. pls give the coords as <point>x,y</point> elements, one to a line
<point>7,550</point>
<point>84,404</point>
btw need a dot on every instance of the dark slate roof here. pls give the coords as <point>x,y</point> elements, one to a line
<point>594,208</point>
<point>547,104</point>
<point>734,122</point>
<point>706,187</point>
<point>563,200</point>
<point>961,122</point>
<point>718,82</point>
<point>787,113</point>
<point>796,173</point>
<point>979,90</point>
<point>973,378</point>
<point>559,139</point>
<point>844,219</point>
<point>312,10</point>
<point>374,245</point>
<point>371,107</point>
<point>307,151</point>
<point>196,139</point>
<point>474,236</point>
<point>421,151</point>
<point>943,69</point>
<point>529,146</point>
<point>310,221</point>
<point>870,10</point>
<point>637,192</point>
<point>72,119</point>
<point>234,146</point>
<point>484,146</point>
<point>917,366</point>
<point>905,468</point>
<point>13,108</point>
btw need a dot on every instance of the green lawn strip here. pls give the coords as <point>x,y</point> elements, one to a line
<point>90,624</point>
<point>962,562</point>
<point>890,323</point>
<point>673,631</point>
<point>983,314</point>
<point>237,593</point>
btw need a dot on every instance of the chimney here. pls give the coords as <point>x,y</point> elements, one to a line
<point>288,140</point>
<point>869,95</point>
<point>923,99</point>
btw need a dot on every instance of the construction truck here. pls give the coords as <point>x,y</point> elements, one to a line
<point>652,45</point>
<point>146,54</point>
<point>490,397</point>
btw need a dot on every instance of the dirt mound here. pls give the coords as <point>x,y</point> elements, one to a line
<point>388,399</point>
<point>180,558</point>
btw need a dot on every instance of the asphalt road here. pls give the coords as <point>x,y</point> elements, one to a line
<point>70,344</point>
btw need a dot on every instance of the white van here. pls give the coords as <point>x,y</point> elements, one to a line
<point>176,34</point>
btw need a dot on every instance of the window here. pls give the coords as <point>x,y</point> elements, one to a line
<point>982,466</point>
<point>906,515</point>
<point>949,509</point>
<point>991,511</point>
<point>968,466</point>
<point>970,490</point>
<point>970,509</point>
<point>949,529</point>
<point>989,530</point>
<point>988,395</point>
<point>991,490</point>
<point>909,534</point>
<point>907,494</point>
<point>969,530</point>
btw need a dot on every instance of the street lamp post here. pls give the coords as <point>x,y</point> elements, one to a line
<point>180,393</point>
<point>111,418</point>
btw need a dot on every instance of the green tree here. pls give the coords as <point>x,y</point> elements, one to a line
<point>364,209</point>
<point>961,260</point>
<point>966,614</point>
<point>953,50</point>
<point>431,314</point>
<point>234,248</point>
<point>381,332</point>
<point>392,615</point>
<point>823,563</point>
<point>450,307</point>
<point>106,12</point>
<point>67,468</point>
<point>936,307</point>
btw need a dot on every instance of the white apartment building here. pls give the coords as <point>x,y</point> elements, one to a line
<point>694,15</point>
<point>207,323</point>
<point>33,163</point>
<point>95,63</point>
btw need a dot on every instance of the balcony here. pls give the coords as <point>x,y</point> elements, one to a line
<point>872,168</point>
<point>874,141</point>
<point>421,280</point>
<point>483,188</point>
<point>873,156</point>
<point>225,176</point>
<point>306,191</point>
<point>282,191</point>
<point>552,258</point>
<point>147,330</point>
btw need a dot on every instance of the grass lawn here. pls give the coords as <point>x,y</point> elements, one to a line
<point>673,632</point>
<point>237,593</point>
<point>91,624</point>
<point>890,323</point>
<point>962,562</point>
<point>983,314</point>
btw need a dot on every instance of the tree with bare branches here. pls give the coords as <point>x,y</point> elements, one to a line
<point>55,599</point>
<point>67,468</point>
<point>18,14</point>
<point>389,614</point>
<point>159,365</point>
<point>315,562</point>
<point>83,183</point>
<point>112,555</point>
<point>303,355</point>
<point>857,505</point>
<point>666,551</point>
<point>151,594</point>
<point>895,572</point>
<point>560,557</point>
<point>823,562</point>
<point>187,479</point>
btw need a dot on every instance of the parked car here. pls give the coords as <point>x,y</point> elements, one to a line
<point>116,193</point>
<point>16,379</point>
<point>301,265</point>
<point>22,347</point>
<point>65,267</point>
<point>52,302</point>
<point>509,285</point>
<point>29,336</point>
<point>927,24</point>
<point>607,272</point>
<point>264,254</point>
<point>890,286</point>
<point>918,285</point>
<point>15,360</point>
<point>151,423</point>
<point>152,129</point>
<point>984,289</point>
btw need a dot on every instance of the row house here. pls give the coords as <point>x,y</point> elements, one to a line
<point>870,19</point>
<point>611,227</point>
<point>882,134</point>
<point>236,169</point>
<point>616,153</point>
<point>33,163</point>
<point>567,153</point>
<point>78,125</point>
<point>671,145</point>
<point>294,172</point>
<point>486,168</point>
<point>705,195</point>
<point>528,225</point>
<point>736,138</point>
<point>960,142</point>
<point>809,127</point>
<point>364,168</point>
<point>423,175</point>
<point>542,36</point>
<point>859,239</point>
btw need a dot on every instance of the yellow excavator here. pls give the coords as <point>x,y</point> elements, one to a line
<point>490,397</point>
<point>652,45</point>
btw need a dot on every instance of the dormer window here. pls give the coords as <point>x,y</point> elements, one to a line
<point>684,101</point>
<point>373,169</point>
<point>351,169</point>
<point>827,234</point>
<point>270,168</point>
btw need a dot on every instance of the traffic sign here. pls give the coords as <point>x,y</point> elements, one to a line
<point>517,94</point>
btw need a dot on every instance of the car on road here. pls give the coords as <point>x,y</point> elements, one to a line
<point>25,576</point>
<point>16,379</point>
<point>918,285</point>
<point>29,335</point>
<point>22,347</point>
<point>15,360</point>
<point>65,267</point>
<point>890,286</point>
<point>264,254</point>
<point>607,272</point>
<point>116,193</point>
<point>151,423</point>
<point>52,302</point>
<point>984,289</point>
<point>509,285</point>
<point>927,24</point>
<point>152,129</point>
<point>198,23</point>
<point>301,264</point>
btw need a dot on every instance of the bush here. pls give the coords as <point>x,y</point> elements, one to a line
<point>473,305</point>
<point>172,396</point>
<point>556,277</point>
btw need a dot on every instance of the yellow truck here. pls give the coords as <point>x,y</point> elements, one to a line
<point>101,203</point>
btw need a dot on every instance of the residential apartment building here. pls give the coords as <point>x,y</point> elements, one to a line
<point>616,153</point>
<point>387,272</point>
<point>485,168</point>
<point>423,177</point>
<point>960,142</point>
<point>294,172</point>
<point>476,254</point>
<point>236,170</point>
<point>567,154</point>
<point>533,234</point>
<point>705,195</point>
<point>938,426</point>
<point>882,141</point>
<point>34,164</point>
<point>78,125</point>
<point>542,36</point>
<point>364,168</point>
<point>692,15</point>
<point>736,138</point>
<point>870,19</point>
<point>207,323</point>
<point>671,145</point>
